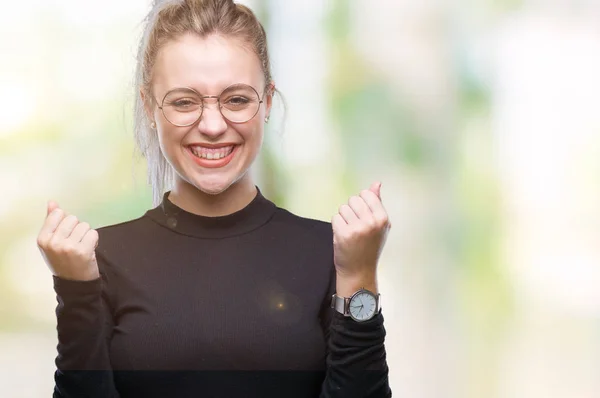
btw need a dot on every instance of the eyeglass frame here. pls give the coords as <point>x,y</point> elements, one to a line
<point>218,97</point>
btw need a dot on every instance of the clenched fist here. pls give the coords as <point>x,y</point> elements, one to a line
<point>359,233</point>
<point>68,246</point>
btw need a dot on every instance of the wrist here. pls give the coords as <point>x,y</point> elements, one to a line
<point>86,276</point>
<point>347,285</point>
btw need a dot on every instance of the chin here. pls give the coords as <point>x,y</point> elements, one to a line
<point>214,185</point>
<point>212,188</point>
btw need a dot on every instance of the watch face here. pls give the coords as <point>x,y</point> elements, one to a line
<point>363,306</point>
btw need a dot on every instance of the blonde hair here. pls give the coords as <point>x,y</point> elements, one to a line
<point>168,20</point>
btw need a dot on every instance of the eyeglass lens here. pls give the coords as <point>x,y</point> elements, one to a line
<point>184,106</point>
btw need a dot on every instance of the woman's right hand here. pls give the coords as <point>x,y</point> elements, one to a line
<point>68,246</point>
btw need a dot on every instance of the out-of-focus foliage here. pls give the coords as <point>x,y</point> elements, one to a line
<point>480,119</point>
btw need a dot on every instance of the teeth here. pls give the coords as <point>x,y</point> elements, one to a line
<point>211,154</point>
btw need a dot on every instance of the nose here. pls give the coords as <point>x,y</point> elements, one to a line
<point>212,122</point>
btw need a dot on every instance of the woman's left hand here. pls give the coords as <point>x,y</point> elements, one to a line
<point>360,229</point>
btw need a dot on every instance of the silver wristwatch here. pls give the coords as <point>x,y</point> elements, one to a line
<point>361,306</point>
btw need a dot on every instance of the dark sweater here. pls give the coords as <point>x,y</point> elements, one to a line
<point>231,306</point>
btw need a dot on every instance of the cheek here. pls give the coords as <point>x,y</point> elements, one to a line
<point>254,141</point>
<point>169,138</point>
<point>252,132</point>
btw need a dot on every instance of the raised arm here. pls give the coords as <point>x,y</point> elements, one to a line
<point>84,322</point>
<point>356,357</point>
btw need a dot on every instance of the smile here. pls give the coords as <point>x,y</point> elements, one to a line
<point>211,153</point>
<point>212,157</point>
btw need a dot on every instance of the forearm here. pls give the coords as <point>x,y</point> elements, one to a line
<point>83,365</point>
<point>356,359</point>
<point>356,362</point>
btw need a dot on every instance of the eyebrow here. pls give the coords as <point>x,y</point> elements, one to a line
<point>222,87</point>
<point>259,90</point>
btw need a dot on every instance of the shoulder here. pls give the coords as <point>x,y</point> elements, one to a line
<point>124,236</point>
<point>303,226</point>
<point>122,229</point>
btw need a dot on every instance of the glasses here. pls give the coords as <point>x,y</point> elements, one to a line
<point>183,107</point>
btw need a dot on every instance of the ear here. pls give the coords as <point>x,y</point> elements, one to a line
<point>269,92</point>
<point>148,106</point>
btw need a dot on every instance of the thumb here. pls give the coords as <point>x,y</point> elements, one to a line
<point>376,189</point>
<point>51,206</point>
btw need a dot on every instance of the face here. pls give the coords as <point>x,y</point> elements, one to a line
<point>208,65</point>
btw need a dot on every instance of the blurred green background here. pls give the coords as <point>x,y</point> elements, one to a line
<point>480,118</point>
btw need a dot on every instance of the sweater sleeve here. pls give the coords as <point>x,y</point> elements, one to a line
<point>356,358</point>
<point>84,325</point>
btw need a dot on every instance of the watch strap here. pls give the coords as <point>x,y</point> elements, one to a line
<point>341,304</point>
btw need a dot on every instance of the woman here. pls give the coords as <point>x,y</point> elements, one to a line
<point>215,292</point>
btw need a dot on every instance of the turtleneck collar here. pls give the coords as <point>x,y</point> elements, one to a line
<point>257,213</point>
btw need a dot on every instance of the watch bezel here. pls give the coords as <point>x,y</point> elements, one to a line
<point>348,303</point>
<point>342,304</point>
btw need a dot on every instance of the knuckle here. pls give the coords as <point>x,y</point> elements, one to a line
<point>68,248</point>
<point>54,244</point>
<point>353,231</point>
<point>59,212</point>
<point>382,222</point>
<point>80,251</point>
<point>62,247</point>
<point>41,242</point>
<point>344,236</point>
<point>58,249</point>
<point>365,192</point>
<point>371,224</point>
<point>354,199</point>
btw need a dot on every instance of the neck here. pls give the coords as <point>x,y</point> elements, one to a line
<point>193,200</point>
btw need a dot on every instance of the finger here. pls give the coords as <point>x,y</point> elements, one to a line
<point>338,222</point>
<point>79,231</point>
<point>375,205</point>
<point>52,222</point>
<point>348,214</point>
<point>90,239</point>
<point>376,189</point>
<point>360,208</point>
<point>51,205</point>
<point>66,226</point>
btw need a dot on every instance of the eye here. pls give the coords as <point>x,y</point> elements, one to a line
<point>237,100</point>
<point>184,103</point>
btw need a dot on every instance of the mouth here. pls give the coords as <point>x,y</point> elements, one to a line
<point>212,157</point>
<point>211,153</point>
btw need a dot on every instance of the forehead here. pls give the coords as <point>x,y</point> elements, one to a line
<point>206,64</point>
